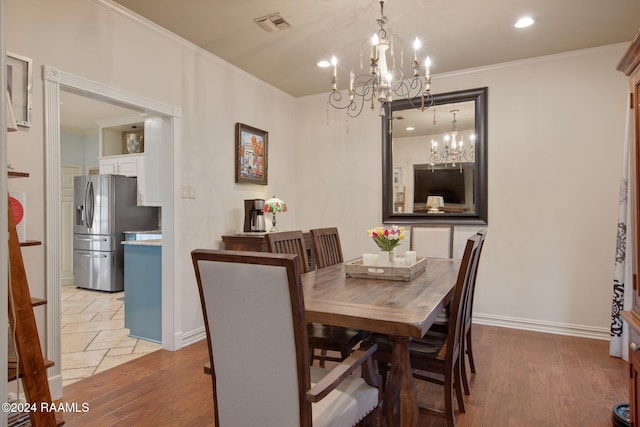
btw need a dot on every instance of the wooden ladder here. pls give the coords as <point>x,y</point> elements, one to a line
<point>32,365</point>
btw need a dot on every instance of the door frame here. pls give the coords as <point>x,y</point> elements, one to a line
<point>67,251</point>
<point>54,80</point>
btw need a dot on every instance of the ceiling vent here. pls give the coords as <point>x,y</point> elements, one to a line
<point>273,23</point>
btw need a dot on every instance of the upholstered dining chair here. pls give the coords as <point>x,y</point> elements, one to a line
<point>327,251</point>
<point>432,241</point>
<point>436,357</point>
<point>258,296</point>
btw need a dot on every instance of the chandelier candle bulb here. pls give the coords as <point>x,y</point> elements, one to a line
<point>334,62</point>
<point>374,43</point>
<point>416,47</point>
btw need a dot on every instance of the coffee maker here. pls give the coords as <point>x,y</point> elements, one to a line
<point>253,215</point>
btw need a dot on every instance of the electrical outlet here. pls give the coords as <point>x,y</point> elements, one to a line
<point>192,191</point>
<point>185,191</point>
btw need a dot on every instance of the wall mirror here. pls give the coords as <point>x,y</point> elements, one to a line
<point>434,162</point>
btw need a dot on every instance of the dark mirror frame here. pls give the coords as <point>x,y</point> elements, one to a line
<point>479,95</point>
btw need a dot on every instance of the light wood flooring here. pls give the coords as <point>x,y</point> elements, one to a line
<point>523,379</point>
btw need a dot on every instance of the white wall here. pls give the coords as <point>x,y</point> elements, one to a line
<point>555,132</point>
<point>79,149</point>
<point>86,39</point>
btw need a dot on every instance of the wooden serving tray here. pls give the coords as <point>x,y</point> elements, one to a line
<point>356,269</point>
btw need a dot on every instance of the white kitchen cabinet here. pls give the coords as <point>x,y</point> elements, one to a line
<point>126,164</point>
<point>146,166</point>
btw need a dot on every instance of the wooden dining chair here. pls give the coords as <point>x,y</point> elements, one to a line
<point>436,356</point>
<point>321,337</point>
<point>468,317</point>
<point>327,251</point>
<point>326,247</point>
<point>442,325</point>
<point>289,242</point>
<point>432,241</point>
<point>258,296</point>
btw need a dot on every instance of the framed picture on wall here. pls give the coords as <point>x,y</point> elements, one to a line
<point>19,80</point>
<point>251,155</point>
<point>397,177</point>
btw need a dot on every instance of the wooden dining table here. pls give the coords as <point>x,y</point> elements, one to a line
<point>400,309</point>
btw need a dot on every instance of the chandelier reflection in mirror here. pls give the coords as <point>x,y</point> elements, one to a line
<point>384,81</point>
<point>453,150</point>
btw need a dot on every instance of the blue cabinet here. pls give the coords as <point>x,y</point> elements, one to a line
<point>143,290</point>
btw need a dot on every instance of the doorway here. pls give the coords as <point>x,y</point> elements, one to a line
<point>55,82</point>
<point>93,334</point>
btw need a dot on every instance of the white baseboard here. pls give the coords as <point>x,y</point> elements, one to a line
<point>194,336</point>
<point>55,387</point>
<point>542,326</point>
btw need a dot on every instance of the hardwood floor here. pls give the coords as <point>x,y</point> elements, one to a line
<point>523,379</point>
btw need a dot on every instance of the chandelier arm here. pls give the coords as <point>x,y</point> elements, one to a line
<point>353,107</point>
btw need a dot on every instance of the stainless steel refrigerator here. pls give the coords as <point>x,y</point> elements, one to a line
<point>105,207</point>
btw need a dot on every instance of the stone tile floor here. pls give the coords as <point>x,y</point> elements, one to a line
<point>93,334</point>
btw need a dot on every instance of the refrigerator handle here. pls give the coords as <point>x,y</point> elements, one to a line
<point>79,215</point>
<point>89,203</point>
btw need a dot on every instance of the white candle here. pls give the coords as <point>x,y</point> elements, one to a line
<point>370,259</point>
<point>410,257</point>
<point>427,66</point>
<point>374,42</point>
<point>351,78</point>
<point>416,47</point>
<point>383,258</point>
<point>334,62</point>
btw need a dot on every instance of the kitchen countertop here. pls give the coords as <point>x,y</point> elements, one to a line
<point>150,242</point>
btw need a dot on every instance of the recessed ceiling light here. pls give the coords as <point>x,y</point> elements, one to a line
<point>324,63</point>
<point>411,128</point>
<point>524,22</point>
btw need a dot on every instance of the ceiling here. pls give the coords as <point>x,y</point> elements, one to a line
<point>456,35</point>
<point>83,115</point>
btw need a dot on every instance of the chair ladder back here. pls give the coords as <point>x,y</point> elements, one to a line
<point>460,298</point>
<point>289,242</point>
<point>326,247</point>
<point>483,235</point>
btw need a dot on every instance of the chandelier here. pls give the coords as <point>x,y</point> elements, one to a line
<point>453,150</point>
<point>384,81</point>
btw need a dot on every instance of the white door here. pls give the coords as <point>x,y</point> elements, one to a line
<point>67,172</point>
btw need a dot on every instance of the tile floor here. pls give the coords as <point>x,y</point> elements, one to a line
<point>93,335</point>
